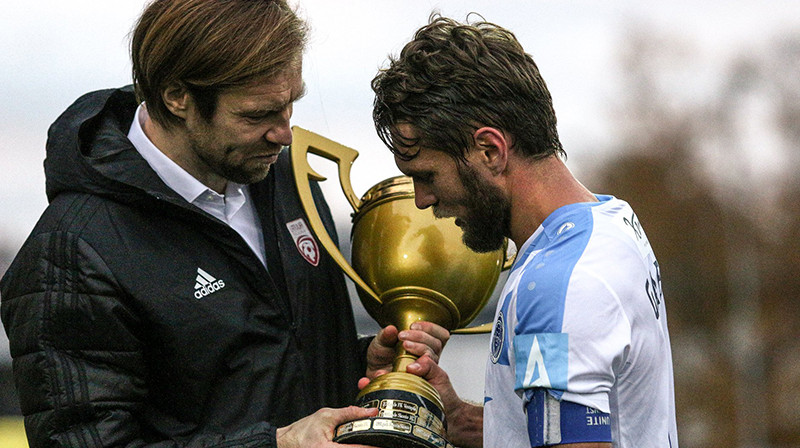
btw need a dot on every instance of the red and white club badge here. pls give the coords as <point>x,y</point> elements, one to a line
<point>304,240</point>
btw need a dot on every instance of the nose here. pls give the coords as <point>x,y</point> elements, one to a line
<point>423,197</point>
<point>281,131</point>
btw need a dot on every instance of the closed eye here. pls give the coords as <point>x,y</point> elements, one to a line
<point>260,116</point>
<point>423,178</point>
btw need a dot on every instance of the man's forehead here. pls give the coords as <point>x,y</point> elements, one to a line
<point>405,140</point>
<point>278,91</point>
<point>421,160</point>
<point>405,131</point>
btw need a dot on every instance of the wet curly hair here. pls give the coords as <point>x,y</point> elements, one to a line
<point>454,78</point>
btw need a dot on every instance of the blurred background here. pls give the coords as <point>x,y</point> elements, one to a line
<point>688,110</point>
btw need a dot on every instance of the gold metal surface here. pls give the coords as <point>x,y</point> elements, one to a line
<point>396,245</point>
<point>408,266</point>
<point>303,142</point>
<point>406,382</point>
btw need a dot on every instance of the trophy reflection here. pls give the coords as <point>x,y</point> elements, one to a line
<point>408,266</point>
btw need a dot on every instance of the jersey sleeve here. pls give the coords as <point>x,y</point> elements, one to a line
<point>570,340</point>
<point>552,421</point>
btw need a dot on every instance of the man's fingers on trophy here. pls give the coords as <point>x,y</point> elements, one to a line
<point>422,366</point>
<point>425,338</point>
<point>318,428</point>
<point>372,374</point>
<point>350,413</point>
<point>427,368</point>
<point>423,349</point>
<point>387,336</point>
<point>365,380</point>
<point>436,331</point>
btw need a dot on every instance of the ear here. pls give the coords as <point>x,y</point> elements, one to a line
<point>491,149</point>
<point>177,100</point>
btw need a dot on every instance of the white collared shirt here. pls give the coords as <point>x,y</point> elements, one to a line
<point>234,208</point>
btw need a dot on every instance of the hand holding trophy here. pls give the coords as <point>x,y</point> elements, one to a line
<point>408,266</point>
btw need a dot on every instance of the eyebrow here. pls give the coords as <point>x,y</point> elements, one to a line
<point>300,93</point>
<point>276,106</point>
<point>416,173</point>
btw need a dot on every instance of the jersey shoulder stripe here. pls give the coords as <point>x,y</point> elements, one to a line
<point>543,281</point>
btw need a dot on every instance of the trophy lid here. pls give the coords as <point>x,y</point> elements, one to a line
<point>397,187</point>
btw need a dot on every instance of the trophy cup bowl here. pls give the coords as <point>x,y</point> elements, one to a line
<point>417,263</point>
<point>408,266</point>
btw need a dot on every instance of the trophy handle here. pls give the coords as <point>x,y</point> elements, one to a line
<point>510,258</point>
<point>478,329</point>
<point>303,142</point>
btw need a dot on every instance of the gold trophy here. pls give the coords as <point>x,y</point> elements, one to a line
<point>408,266</point>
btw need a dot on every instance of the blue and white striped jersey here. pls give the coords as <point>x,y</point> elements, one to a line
<point>580,349</point>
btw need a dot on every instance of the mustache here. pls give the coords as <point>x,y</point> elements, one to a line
<point>268,147</point>
<point>439,213</point>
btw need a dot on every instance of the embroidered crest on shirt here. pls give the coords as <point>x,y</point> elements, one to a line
<point>304,240</point>
<point>498,336</point>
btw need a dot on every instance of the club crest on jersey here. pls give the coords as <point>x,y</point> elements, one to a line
<point>498,335</point>
<point>304,241</point>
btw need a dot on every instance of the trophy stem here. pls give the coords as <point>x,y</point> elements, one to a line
<point>410,304</point>
<point>402,358</point>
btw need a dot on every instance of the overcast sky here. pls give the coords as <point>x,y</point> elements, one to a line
<point>54,51</point>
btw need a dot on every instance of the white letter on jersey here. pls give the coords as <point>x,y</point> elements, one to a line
<point>536,367</point>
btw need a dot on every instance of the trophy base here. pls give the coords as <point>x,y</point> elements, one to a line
<point>387,439</point>
<point>405,420</point>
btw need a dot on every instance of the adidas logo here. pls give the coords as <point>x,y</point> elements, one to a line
<point>206,284</point>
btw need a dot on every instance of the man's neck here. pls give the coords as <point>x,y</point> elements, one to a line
<point>175,145</point>
<point>537,189</point>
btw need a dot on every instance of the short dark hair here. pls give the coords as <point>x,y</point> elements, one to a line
<point>210,45</point>
<point>453,78</point>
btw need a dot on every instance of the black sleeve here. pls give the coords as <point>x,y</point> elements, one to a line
<point>77,352</point>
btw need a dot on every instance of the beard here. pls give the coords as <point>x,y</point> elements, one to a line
<point>488,217</point>
<point>247,172</point>
<point>231,162</point>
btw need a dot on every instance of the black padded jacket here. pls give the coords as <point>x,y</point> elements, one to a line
<point>114,342</point>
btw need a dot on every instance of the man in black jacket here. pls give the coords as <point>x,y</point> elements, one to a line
<point>163,299</point>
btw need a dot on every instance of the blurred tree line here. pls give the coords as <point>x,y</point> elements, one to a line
<point>712,176</point>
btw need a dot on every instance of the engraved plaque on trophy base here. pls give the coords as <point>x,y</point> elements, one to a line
<point>404,420</point>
